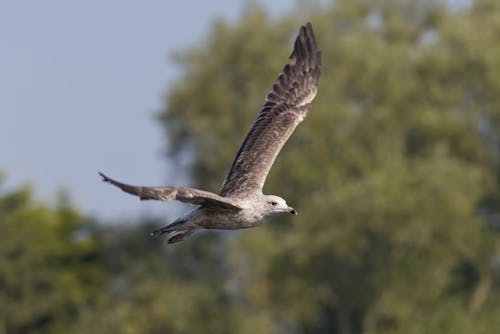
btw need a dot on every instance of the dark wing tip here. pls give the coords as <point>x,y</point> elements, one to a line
<point>107,179</point>
<point>305,46</point>
<point>137,191</point>
<point>306,55</point>
<point>104,177</point>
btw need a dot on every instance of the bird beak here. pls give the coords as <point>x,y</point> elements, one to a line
<point>292,211</point>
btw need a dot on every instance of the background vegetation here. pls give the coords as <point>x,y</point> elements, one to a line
<point>395,174</point>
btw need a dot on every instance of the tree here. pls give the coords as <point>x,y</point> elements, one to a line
<point>393,171</point>
<point>151,289</point>
<point>48,270</point>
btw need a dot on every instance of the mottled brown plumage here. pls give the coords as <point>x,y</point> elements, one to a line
<point>241,203</point>
<point>285,107</point>
<point>182,194</point>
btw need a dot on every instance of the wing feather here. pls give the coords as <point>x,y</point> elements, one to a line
<point>285,107</point>
<point>183,194</point>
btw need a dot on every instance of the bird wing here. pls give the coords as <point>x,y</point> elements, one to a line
<point>285,107</point>
<point>183,194</point>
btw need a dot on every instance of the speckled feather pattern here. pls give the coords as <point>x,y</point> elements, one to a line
<point>286,105</point>
<point>240,203</point>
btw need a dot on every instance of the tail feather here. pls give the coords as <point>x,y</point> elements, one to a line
<point>178,237</point>
<point>174,235</point>
<point>174,231</point>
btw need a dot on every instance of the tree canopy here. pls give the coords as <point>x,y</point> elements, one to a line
<point>393,172</point>
<point>49,265</point>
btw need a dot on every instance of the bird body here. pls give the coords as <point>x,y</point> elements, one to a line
<point>240,202</point>
<point>229,219</point>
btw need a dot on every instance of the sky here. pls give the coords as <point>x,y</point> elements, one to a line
<point>80,84</point>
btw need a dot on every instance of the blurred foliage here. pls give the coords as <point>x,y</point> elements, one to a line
<point>394,171</point>
<point>49,265</point>
<point>395,174</point>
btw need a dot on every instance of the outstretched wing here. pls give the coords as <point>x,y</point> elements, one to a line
<point>186,195</point>
<point>285,107</point>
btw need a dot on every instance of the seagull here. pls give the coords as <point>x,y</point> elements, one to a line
<point>240,202</point>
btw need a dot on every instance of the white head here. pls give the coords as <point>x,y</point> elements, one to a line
<point>276,205</point>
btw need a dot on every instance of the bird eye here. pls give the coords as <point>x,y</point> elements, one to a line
<point>273,203</point>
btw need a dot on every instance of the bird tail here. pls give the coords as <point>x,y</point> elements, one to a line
<point>174,230</point>
<point>180,236</point>
<point>161,231</point>
<point>173,235</point>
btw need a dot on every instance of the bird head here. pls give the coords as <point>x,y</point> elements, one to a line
<point>277,205</point>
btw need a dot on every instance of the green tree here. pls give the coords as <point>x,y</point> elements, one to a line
<point>394,172</point>
<point>155,289</point>
<point>48,270</point>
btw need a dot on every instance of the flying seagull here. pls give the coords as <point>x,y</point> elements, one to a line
<point>240,202</point>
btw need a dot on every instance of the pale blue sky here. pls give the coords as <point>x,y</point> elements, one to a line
<point>80,82</point>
